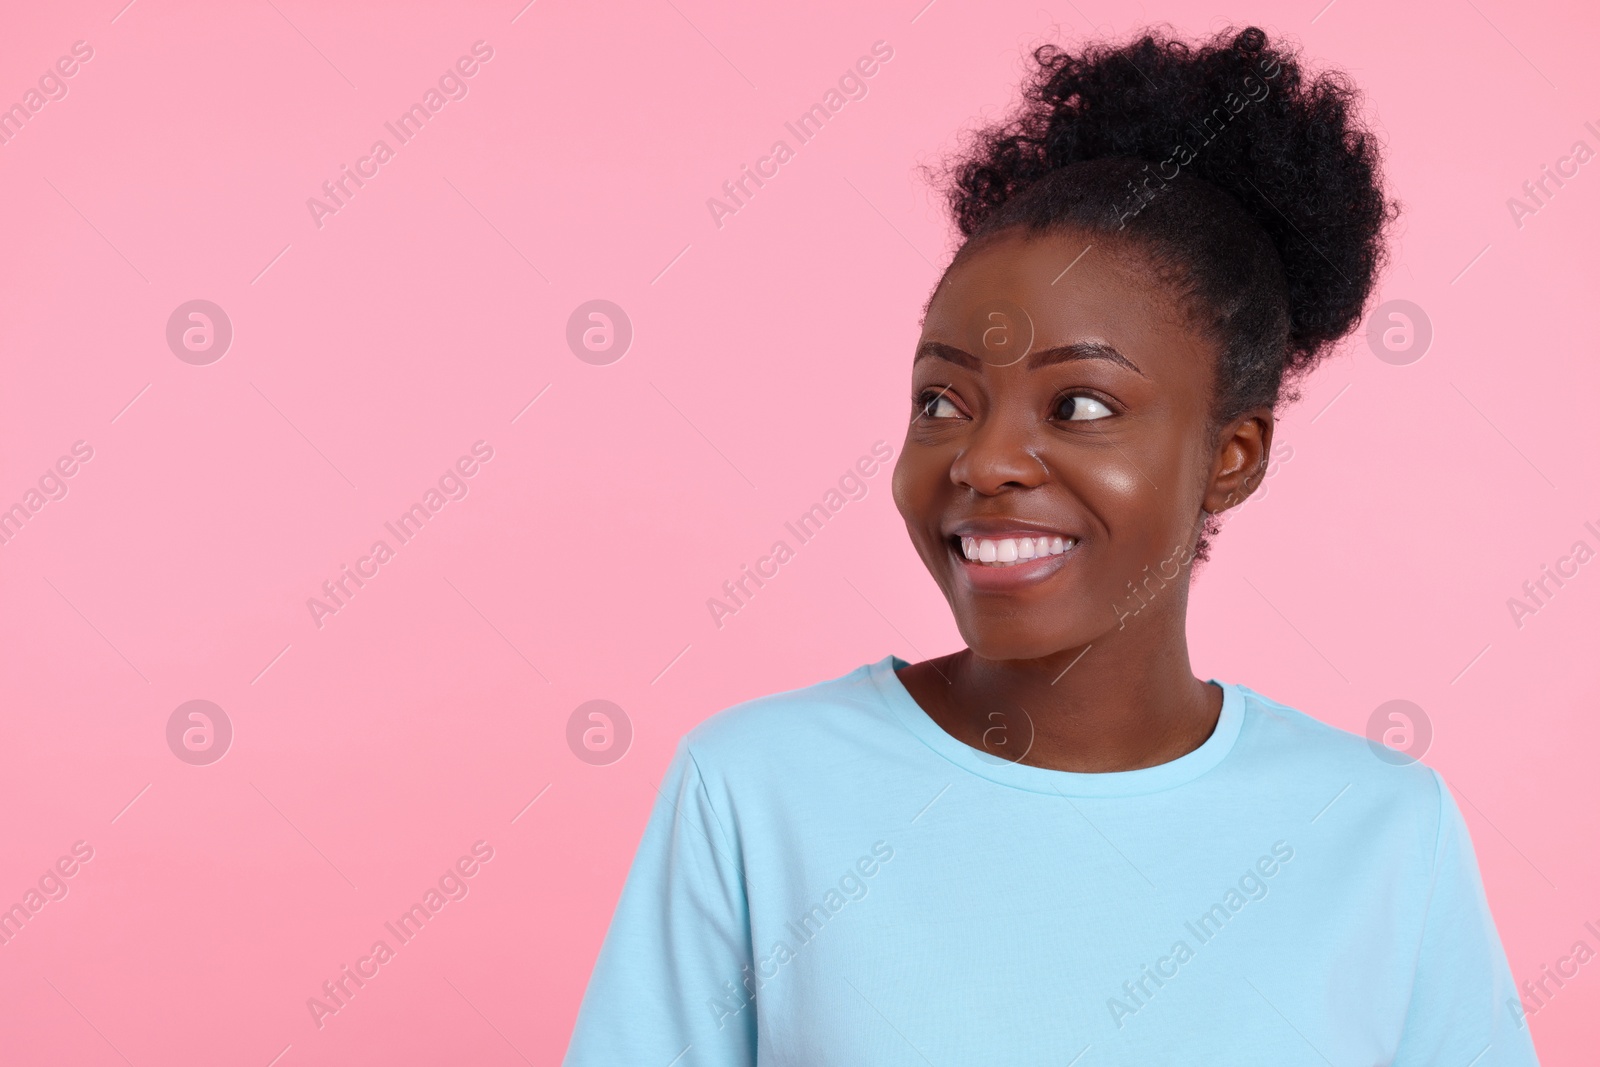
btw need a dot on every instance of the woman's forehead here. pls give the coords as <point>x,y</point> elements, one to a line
<point>1059,287</point>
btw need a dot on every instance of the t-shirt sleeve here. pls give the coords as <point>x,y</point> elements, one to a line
<point>1464,1000</point>
<point>667,987</point>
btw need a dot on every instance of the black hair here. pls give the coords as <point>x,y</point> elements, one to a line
<point>1250,187</point>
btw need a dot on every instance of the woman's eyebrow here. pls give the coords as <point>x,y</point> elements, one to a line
<point>1042,358</point>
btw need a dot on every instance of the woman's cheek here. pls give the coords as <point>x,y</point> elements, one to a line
<point>1134,509</point>
<point>900,483</point>
<point>913,488</point>
<point>1111,487</point>
<point>1117,482</point>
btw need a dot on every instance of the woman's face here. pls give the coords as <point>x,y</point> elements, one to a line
<point>1059,395</point>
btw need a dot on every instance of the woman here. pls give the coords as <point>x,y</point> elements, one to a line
<point>1058,846</point>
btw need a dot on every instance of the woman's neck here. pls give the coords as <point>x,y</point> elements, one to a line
<point>1123,702</point>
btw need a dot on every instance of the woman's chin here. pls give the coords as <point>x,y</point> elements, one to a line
<point>1015,639</point>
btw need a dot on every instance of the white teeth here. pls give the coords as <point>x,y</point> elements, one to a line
<point>1009,551</point>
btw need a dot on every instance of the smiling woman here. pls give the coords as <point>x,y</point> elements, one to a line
<point>1092,388</point>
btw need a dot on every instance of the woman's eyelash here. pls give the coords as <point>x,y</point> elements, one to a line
<point>924,397</point>
<point>1070,394</point>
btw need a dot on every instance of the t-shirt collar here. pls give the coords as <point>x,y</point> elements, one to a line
<point>1162,776</point>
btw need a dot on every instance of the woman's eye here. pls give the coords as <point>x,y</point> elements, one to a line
<point>1080,407</point>
<point>934,404</point>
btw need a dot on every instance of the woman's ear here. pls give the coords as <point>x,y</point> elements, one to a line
<point>1239,462</point>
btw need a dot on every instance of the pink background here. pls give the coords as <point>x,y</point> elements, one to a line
<point>768,354</point>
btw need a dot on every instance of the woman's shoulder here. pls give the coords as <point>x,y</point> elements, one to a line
<point>792,722</point>
<point>1383,767</point>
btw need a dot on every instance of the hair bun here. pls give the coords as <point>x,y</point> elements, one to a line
<point>1250,40</point>
<point>1236,112</point>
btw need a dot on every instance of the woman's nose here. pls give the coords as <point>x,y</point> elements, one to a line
<point>1000,452</point>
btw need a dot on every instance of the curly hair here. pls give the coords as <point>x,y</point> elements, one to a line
<point>1249,186</point>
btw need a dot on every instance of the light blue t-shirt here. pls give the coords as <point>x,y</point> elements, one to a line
<point>829,879</point>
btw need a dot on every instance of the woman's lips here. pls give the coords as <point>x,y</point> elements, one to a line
<point>1003,563</point>
<point>1010,549</point>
